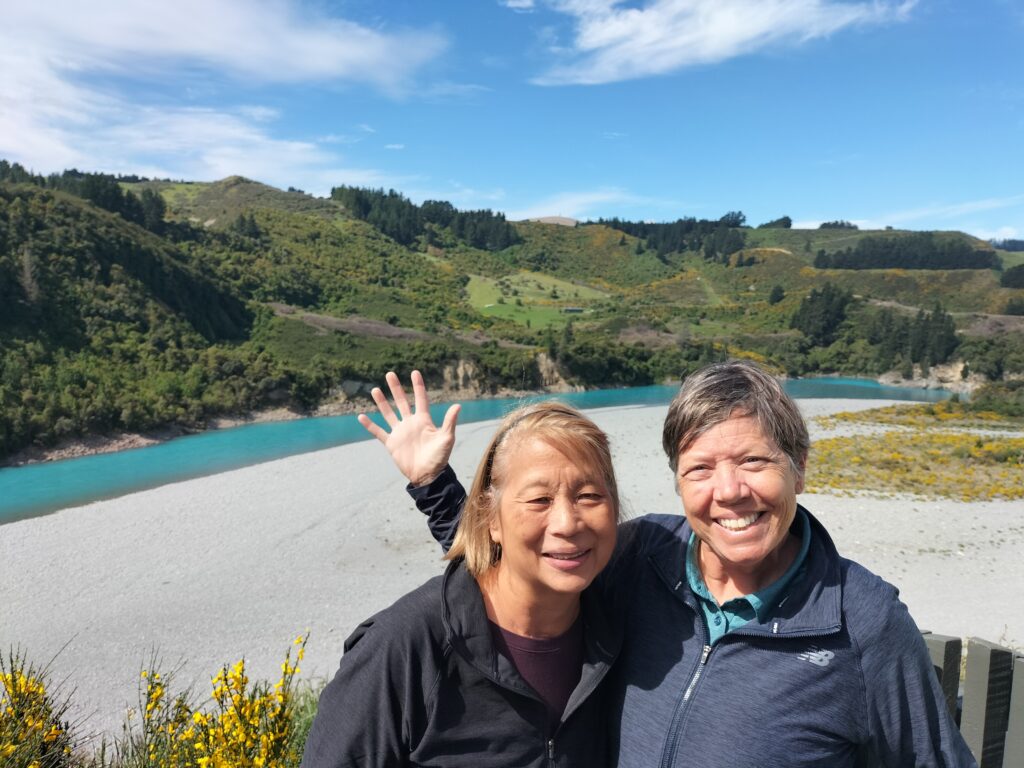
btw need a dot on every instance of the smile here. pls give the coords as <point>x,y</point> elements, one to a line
<point>577,555</point>
<point>739,523</point>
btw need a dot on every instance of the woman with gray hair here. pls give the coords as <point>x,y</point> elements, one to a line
<point>748,639</point>
<point>500,661</point>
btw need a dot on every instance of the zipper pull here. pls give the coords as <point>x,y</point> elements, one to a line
<point>551,749</point>
<point>704,655</point>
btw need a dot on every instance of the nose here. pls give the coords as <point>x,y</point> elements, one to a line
<point>729,485</point>
<point>563,518</point>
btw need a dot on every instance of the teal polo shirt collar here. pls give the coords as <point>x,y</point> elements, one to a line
<point>733,614</point>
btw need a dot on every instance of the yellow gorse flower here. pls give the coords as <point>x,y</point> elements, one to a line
<point>246,725</point>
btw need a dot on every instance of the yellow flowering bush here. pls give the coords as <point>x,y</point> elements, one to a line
<point>245,724</point>
<point>924,462</point>
<point>33,733</point>
<point>946,413</point>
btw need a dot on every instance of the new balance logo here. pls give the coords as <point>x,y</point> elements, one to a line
<point>817,656</point>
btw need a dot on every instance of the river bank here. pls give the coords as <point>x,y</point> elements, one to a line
<point>209,570</point>
<point>353,397</point>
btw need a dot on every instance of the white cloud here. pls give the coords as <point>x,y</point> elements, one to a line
<point>271,40</point>
<point>945,211</point>
<point>445,91</point>
<point>521,6</point>
<point>574,205</point>
<point>458,194</point>
<point>617,41</point>
<point>999,233</point>
<point>940,216</point>
<point>94,85</point>
<point>259,114</point>
<point>394,146</point>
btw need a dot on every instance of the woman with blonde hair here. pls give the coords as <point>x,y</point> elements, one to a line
<point>500,660</point>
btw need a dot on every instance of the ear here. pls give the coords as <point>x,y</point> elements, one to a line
<point>801,471</point>
<point>494,527</point>
<point>495,524</point>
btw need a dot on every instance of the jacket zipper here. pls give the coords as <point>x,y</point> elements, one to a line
<point>696,675</point>
<point>670,749</point>
<point>551,750</point>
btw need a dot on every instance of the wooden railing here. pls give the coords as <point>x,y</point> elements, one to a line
<point>991,711</point>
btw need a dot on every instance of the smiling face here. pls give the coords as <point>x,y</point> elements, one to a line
<point>555,521</point>
<point>739,494</point>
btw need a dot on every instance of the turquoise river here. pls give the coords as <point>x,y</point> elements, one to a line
<point>36,489</point>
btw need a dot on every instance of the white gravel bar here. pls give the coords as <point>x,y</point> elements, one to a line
<point>207,571</point>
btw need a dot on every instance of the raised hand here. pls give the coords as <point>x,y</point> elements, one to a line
<point>418,447</point>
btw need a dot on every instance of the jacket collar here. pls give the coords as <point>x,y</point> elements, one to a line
<point>813,605</point>
<point>468,631</point>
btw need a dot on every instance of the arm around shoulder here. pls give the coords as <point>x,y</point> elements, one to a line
<point>908,721</point>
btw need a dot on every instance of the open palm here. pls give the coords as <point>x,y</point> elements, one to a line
<point>419,448</point>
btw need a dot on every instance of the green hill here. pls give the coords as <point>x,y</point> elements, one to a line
<point>246,296</point>
<point>221,202</point>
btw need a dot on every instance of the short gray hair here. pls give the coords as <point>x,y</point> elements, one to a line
<point>718,391</point>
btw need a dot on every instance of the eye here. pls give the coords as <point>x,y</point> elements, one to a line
<point>590,498</point>
<point>696,472</point>
<point>756,462</point>
<point>538,501</point>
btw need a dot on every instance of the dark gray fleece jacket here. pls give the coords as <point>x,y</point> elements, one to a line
<point>420,684</point>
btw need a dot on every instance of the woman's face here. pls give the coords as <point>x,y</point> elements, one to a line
<point>555,522</point>
<point>739,494</point>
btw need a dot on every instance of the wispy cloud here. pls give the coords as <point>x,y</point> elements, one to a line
<point>458,194</point>
<point>520,6</point>
<point>1000,233</point>
<point>615,40</point>
<point>939,216</point>
<point>445,91</point>
<point>394,146</point>
<point>271,40</point>
<point>101,85</point>
<point>951,211</point>
<point>574,205</point>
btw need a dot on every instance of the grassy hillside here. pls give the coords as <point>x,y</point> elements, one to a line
<point>248,297</point>
<point>219,203</point>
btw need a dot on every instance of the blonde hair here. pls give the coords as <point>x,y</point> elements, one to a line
<point>563,428</point>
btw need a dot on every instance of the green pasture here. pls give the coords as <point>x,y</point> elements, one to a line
<point>531,299</point>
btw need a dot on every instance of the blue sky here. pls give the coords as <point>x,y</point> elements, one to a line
<point>891,112</point>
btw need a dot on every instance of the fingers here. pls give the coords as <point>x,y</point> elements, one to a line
<point>450,417</point>
<point>419,391</point>
<point>372,428</point>
<point>398,393</point>
<point>383,406</point>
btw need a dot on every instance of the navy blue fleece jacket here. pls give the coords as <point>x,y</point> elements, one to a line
<point>837,674</point>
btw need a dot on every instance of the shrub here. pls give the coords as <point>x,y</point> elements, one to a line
<point>33,730</point>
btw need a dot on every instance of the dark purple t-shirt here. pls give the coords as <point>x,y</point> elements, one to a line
<point>551,666</point>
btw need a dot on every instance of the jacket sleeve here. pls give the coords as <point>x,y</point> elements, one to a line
<point>908,721</point>
<point>441,501</point>
<point>371,713</point>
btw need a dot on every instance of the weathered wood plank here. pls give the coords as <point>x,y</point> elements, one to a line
<point>986,708</point>
<point>1013,756</point>
<point>946,653</point>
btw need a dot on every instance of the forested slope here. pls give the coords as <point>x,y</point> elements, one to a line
<point>132,304</point>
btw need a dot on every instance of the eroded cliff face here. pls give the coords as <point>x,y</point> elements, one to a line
<point>551,376</point>
<point>461,380</point>
<point>945,376</point>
